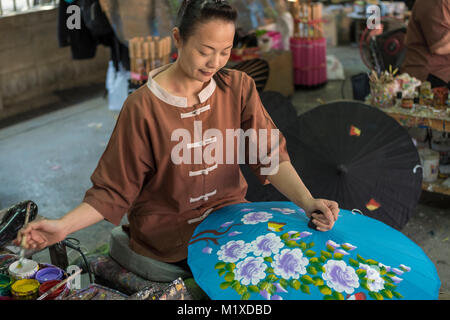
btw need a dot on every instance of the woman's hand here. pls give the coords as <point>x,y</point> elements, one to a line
<point>41,234</point>
<point>330,210</point>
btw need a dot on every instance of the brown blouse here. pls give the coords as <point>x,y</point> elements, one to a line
<point>153,168</point>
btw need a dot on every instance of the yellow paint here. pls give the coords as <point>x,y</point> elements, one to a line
<point>275,226</point>
<point>25,286</point>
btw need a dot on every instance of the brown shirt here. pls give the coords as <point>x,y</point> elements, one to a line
<point>140,171</point>
<point>428,29</point>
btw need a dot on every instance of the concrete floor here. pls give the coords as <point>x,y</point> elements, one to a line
<point>50,158</point>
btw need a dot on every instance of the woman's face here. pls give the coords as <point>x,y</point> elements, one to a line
<point>207,50</point>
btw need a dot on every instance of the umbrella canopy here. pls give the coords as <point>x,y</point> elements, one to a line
<point>266,251</point>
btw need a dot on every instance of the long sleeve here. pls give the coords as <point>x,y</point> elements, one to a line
<point>269,150</point>
<point>126,164</point>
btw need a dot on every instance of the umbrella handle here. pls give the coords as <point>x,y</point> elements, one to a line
<point>310,223</point>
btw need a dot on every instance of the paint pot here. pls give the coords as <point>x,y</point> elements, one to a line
<point>27,271</point>
<point>25,289</point>
<point>430,164</point>
<point>48,274</point>
<point>5,285</point>
<point>46,286</point>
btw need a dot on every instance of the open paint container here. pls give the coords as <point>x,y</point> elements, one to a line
<point>49,273</point>
<point>46,286</point>
<point>27,271</point>
<point>25,289</point>
<point>5,285</point>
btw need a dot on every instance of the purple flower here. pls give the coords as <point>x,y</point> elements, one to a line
<point>343,252</point>
<point>333,244</point>
<point>280,288</point>
<point>397,271</point>
<point>290,263</point>
<point>207,250</point>
<point>256,217</point>
<point>396,279</point>
<point>266,245</point>
<point>301,235</point>
<point>251,270</point>
<point>265,294</point>
<point>340,277</point>
<point>234,233</point>
<point>232,251</point>
<point>348,246</point>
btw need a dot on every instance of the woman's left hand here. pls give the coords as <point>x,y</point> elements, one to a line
<point>329,208</point>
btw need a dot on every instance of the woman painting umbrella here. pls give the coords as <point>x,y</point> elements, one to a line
<point>142,173</point>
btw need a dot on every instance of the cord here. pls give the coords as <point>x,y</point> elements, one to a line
<point>75,245</point>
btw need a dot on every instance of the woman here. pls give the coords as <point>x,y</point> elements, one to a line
<point>141,171</point>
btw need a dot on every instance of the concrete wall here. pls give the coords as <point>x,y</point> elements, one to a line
<point>33,67</point>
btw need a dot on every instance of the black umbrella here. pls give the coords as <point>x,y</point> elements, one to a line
<point>360,157</point>
<point>356,155</point>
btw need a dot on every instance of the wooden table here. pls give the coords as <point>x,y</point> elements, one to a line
<point>424,118</point>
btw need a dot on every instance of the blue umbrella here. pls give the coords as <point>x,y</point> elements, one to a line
<point>265,250</point>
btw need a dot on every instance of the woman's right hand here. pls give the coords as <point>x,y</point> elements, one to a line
<point>41,234</point>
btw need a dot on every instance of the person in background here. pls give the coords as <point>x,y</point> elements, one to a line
<point>428,42</point>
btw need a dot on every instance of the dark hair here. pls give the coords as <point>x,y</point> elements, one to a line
<point>193,12</point>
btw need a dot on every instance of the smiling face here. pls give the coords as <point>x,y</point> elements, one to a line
<point>206,50</point>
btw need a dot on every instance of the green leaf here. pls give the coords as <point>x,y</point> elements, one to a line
<point>222,272</point>
<point>390,274</point>
<point>292,244</point>
<point>306,279</point>
<point>268,259</point>
<point>284,236</point>
<point>253,289</point>
<point>318,281</point>
<point>345,247</point>
<point>388,279</point>
<point>245,296</point>
<point>220,265</point>
<point>338,256</point>
<point>397,295</point>
<point>236,285</point>
<point>294,283</point>
<point>269,270</point>
<point>314,260</point>
<point>376,295</point>
<point>364,285</point>
<point>387,293</point>
<point>229,276</point>
<point>310,253</point>
<point>338,295</point>
<point>361,273</point>
<point>325,290</point>
<point>303,245</point>
<point>360,259</point>
<point>372,262</point>
<point>323,259</point>
<point>230,266</point>
<point>242,290</point>
<point>328,297</point>
<point>225,285</point>
<point>264,285</point>
<point>383,271</point>
<point>353,262</point>
<point>311,270</point>
<point>326,254</point>
<point>272,278</point>
<point>284,283</point>
<point>390,285</point>
<point>310,245</point>
<point>272,289</point>
<point>295,235</point>
<point>305,289</point>
<point>330,248</point>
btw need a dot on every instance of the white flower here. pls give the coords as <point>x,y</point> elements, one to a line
<point>232,251</point>
<point>284,210</point>
<point>340,277</point>
<point>374,280</point>
<point>266,245</point>
<point>256,217</point>
<point>290,263</point>
<point>251,270</point>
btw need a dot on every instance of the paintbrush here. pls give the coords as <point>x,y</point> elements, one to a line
<point>24,238</point>
<point>57,286</point>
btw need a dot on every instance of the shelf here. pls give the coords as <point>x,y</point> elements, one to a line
<point>436,187</point>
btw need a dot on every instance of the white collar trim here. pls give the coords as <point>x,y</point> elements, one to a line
<point>175,100</point>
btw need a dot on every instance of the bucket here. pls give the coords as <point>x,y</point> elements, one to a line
<point>46,286</point>
<point>309,61</point>
<point>26,289</point>
<point>5,285</point>
<point>27,271</point>
<point>430,164</point>
<point>48,274</point>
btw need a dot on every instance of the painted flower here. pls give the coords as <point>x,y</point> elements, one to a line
<point>340,276</point>
<point>234,233</point>
<point>232,251</point>
<point>284,210</point>
<point>266,245</point>
<point>301,235</point>
<point>348,246</point>
<point>250,271</point>
<point>405,268</point>
<point>256,217</point>
<point>226,224</point>
<point>207,250</point>
<point>374,280</point>
<point>290,263</point>
<point>333,244</point>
